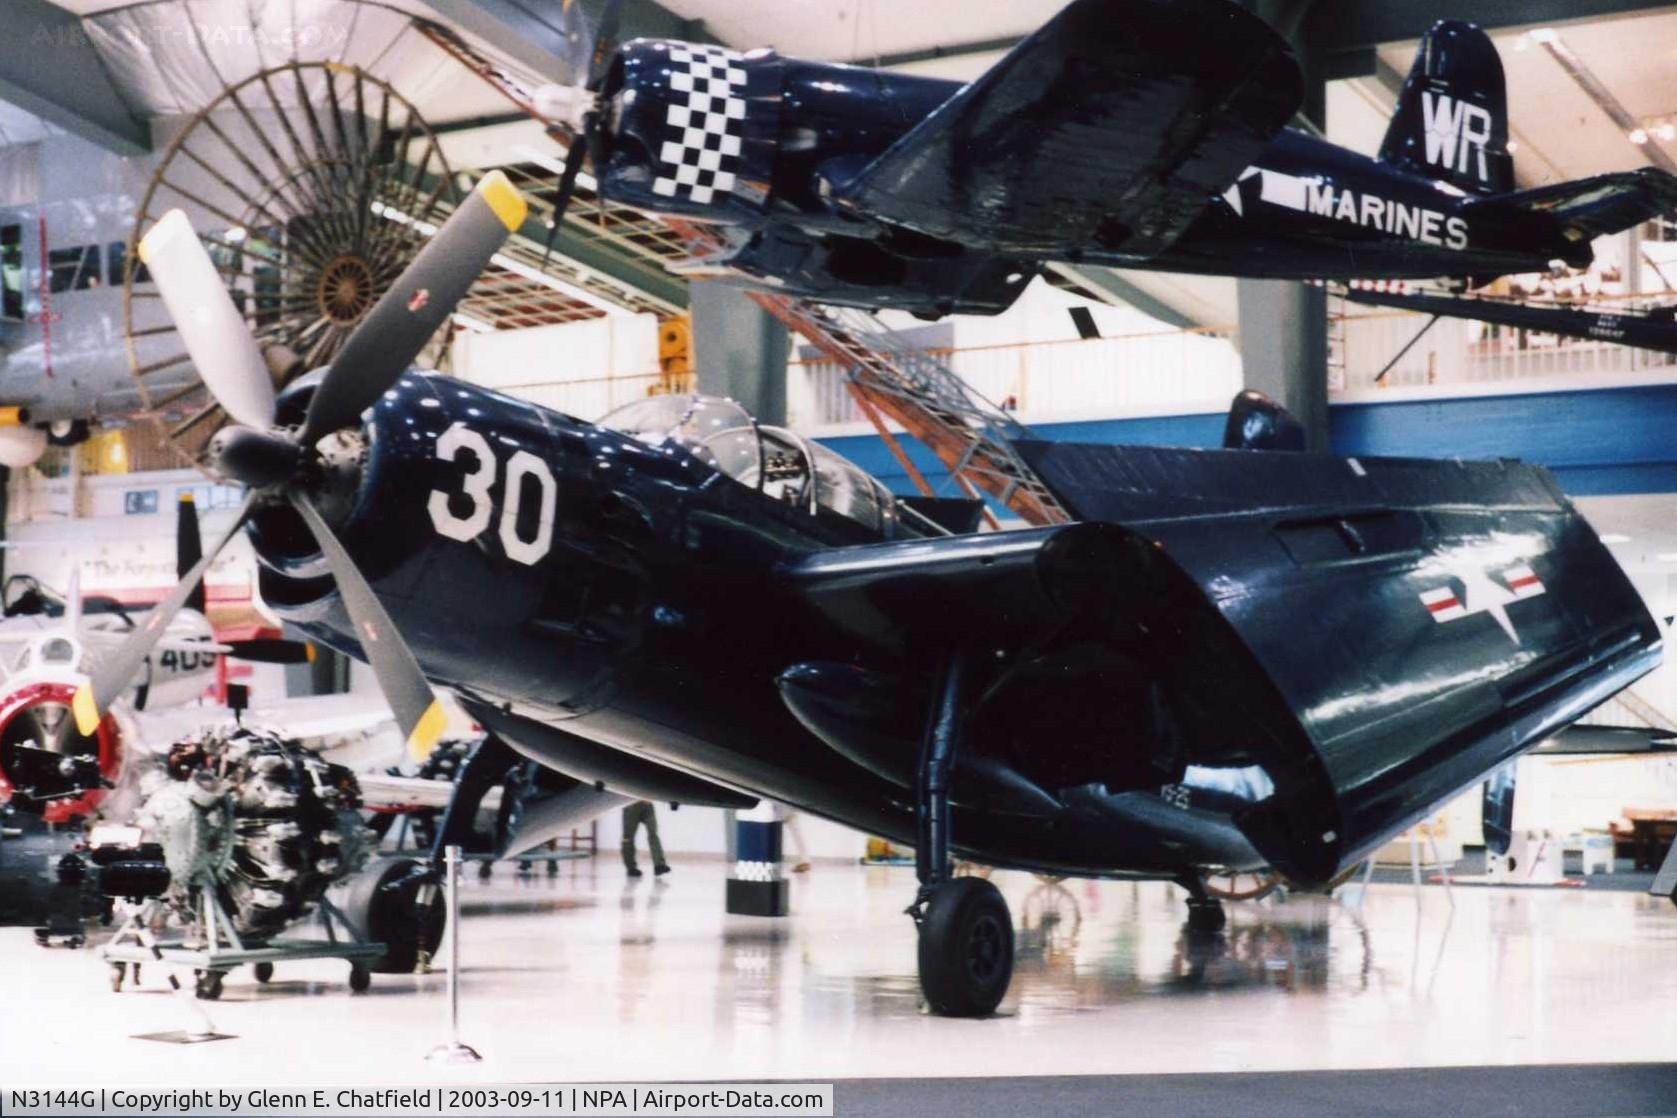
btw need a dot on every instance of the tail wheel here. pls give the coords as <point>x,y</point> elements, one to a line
<point>1249,886</point>
<point>314,185</point>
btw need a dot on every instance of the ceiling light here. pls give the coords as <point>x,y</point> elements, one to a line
<point>1667,557</point>
<point>1615,537</point>
<point>1513,146</point>
<point>1544,35</point>
<point>1639,136</point>
<point>1667,131</point>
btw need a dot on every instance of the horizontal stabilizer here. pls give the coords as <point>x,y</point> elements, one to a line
<point>1596,206</point>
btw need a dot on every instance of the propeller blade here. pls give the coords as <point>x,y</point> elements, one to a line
<point>394,332</point>
<point>189,547</point>
<point>215,334</point>
<point>605,44</point>
<point>113,674</point>
<point>272,651</point>
<point>418,711</point>
<point>567,189</point>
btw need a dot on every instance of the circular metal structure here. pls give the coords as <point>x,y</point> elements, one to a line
<point>1247,886</point>
<point>312,185</point>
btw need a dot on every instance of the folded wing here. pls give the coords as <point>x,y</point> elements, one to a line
<point>1113,125</point>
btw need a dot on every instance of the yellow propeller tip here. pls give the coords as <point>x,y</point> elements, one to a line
<point>427,731</point>
<point>308,652</point>
<point>170,226</point>
<point>503,197</point>
<point>85,710</point>
<point>187,498</point>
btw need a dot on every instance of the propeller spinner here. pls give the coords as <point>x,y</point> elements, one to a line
<point>278,462</point>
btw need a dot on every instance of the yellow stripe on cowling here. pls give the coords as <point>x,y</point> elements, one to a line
<point>172,225</point>
<point>503,197</point>
<point>85,710</point>
<point>427,731</point>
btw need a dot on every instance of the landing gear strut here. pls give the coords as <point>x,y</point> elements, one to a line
<point>1205,912</point>
<point>966,932</point>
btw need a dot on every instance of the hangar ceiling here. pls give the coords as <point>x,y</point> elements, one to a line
<point>166,57</point>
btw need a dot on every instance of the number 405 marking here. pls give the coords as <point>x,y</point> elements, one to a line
<point>477,489</point>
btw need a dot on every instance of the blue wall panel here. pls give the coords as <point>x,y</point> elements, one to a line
<point>1610,441</point>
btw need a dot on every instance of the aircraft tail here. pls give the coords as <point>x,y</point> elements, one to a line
<point>1451,122</point>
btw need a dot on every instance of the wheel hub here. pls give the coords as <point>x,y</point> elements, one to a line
<point>346,290</point>
<point>984,949</point>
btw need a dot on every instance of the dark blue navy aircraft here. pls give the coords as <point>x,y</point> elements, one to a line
<point>1241,658</point>
<point>1135,133</point>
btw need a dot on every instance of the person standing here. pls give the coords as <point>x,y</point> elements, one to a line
<point>634,815</point>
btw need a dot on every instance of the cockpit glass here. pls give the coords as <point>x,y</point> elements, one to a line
<point>772,460</point>
<point>57,650</point>
<point>689,422</point>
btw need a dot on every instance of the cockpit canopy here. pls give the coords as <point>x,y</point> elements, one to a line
<point>772,460</point>
<point>50,651</point>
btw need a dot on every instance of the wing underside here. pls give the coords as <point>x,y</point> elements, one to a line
<point>1111,127</point>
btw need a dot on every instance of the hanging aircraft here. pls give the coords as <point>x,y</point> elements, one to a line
<point>1237,659</point>
<point>1653,329</point>
<point>1132,133</point>
<point>61,351</point>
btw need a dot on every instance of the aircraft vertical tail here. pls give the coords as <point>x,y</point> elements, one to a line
<point>1451,122</point>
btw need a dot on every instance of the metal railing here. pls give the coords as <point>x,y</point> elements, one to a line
<point>1043,381</point>
<point>1456,353</point>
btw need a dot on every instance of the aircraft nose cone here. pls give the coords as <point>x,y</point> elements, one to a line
<point>256,458</point>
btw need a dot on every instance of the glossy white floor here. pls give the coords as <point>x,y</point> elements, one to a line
<point>589,976</point>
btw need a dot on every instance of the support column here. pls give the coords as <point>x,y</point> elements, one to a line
<point>1284,348</point>
<point>1284,325</point>
<point>739,350</point>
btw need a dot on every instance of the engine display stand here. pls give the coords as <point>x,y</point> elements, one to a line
<point>214,948</point>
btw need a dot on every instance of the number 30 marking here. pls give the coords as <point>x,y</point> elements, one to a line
<point>477,486</point>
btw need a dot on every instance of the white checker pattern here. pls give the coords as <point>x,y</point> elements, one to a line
<point>707,110</point>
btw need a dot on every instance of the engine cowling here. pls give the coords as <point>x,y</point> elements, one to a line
<point>21,446</point>
<point>46,764</point>
<point>691,129</point>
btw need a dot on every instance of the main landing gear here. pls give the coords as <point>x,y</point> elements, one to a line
<point>1205,912</point>
<point>966,931</point>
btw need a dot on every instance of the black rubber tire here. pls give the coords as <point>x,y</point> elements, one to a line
<point>1206,916</point>
<point>75,432</point>
<point>966,948</point>
<point>264,972</point>
<point>485,870</point>
<point>360,978</point>
<point>382,905</point>
<point>208,986</point>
